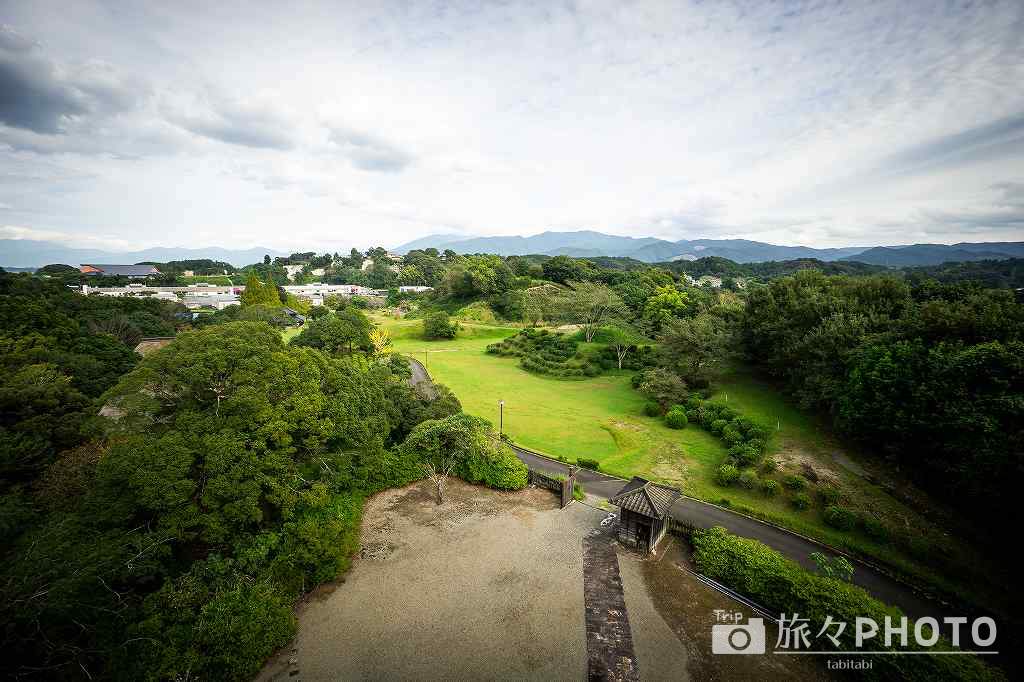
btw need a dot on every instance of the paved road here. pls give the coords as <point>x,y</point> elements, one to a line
<point>703,515</point>
<point>420,376</point>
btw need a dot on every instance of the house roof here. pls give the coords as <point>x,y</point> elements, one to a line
<point>123,270</point>
<point>643,497</point>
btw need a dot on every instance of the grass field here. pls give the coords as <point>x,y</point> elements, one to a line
<point>602,419</point>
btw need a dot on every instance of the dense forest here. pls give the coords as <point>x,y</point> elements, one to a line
<point>170,539</point>
<point>931,375</point>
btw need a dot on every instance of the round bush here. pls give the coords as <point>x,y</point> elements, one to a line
<point>726,413</point>
<point>747,455</point>
<point>694,402</point>
<point>795,482</point>
<point>770,487</point>
<point>875,529</point>
<point>676,418</point>
<point>731,435</point>
<point>757,444</point>
<point>718,425</point>
<point>840,517</point>
<point>726,475</point>
<point>769,466</point>
<point>652,409</point>
<point>748,479</point>
<point>801,501</point>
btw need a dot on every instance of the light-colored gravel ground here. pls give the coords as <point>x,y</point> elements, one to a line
<point>489,586</point>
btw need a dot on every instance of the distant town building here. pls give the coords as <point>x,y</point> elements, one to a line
<point>711,281</point>
<point>414,289</point>
<point>316,292</point>
<point>132,271</point>
<point>216,301</point>
<point>189,273</point>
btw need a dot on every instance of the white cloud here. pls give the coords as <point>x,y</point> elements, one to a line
<point>67,238</point>
<point>328,126</point>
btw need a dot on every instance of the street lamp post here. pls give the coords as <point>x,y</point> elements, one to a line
<point>501,417</point>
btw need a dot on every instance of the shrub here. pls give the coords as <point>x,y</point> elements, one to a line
<point>731,435</point>
<point>694,403</point>
<point>592,464</point>
<point>652,409</point>
<point>717,426</point>
<point>794,482</point>
<point>726,475</point>
<point>769,466</point>
<point>577,492</point>
<point>840,517</point>
<point>829,495</point>
<point>874,528</point>
<point>801,501</point>
<point>746,455</point>
<point>438,325</point>
<point>757,444</point>
<point>770,487</point>
<point>748,479</point>
<point>726,413</point>
<point>676,418</point>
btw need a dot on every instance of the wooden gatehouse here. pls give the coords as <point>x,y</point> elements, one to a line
<point>643,513</point>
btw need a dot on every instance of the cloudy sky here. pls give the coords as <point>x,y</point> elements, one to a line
<point>328,125</point>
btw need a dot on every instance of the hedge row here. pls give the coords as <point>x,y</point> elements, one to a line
<point>782,586</point>
<point>745,439</point>
<point>542,352</point>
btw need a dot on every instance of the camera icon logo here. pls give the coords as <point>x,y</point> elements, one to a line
<point>738,639</point>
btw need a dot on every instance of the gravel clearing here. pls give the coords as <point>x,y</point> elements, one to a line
<point>488,586</point>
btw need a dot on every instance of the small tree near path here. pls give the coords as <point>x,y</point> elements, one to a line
<point>621,337</point>
<point>464,446</point>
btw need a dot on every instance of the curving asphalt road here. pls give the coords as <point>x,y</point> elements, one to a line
<point>703,515</point>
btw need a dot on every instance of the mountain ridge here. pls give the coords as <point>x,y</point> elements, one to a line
<point>587,243</point>
<point>32,253</point>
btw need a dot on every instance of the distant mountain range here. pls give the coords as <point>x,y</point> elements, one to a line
<point>584,244</point>
<point>26,253</point>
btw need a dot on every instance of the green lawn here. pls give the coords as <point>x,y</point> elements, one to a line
<point>602,418</point>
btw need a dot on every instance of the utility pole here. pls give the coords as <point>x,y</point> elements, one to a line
<point>501,417</point>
